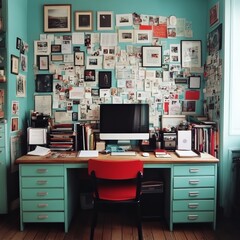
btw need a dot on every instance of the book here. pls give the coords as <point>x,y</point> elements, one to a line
<point>187,153</point>
<point>161,153</point>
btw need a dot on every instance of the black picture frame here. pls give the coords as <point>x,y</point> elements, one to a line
<point>56,48</point>
<point>14,64</point>
<point>44,83</point>
<point>43,62</point>
<point>18,43</point>
<point>89,75</point>
<point>74,116</point>
<point>194,82</point>
<point>105,79</point>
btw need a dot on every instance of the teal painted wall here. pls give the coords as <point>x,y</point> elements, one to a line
<point>15,27</point>
<point>192,10</point>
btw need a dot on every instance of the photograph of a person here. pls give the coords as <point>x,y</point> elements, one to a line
<point>89,75</point>
<point>14,125</point>
<point>105,79</point>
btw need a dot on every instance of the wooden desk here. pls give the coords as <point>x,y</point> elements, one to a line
<point>48,188</point>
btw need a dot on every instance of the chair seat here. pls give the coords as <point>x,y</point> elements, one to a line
<point>117,192</point>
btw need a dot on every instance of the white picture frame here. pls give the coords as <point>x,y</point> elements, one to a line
<point>125,35</point>
<point>143,36</point>
<point>94,62</point>
<point>42,47</point>
<point>124,20</point>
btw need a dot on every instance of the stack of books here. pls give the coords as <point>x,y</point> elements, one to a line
<point>161,153</point>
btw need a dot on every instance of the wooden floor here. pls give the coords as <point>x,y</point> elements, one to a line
<point>115,225</point>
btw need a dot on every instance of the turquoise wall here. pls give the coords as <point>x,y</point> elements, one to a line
<point>192,10</point>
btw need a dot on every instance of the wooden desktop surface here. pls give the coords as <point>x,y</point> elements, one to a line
<point>71,157</point>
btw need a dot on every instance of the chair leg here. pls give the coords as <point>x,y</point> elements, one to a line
<point>139,221</point>
<point>94,220</point>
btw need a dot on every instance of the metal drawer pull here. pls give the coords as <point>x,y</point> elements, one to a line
<point>42,205</point>
<point>42,217</point>
<point>42,182</point>
<point>1,137</point>
<point>42,170</point>
<point>42,194</point>
<point>193,205</point>
<point>193,182</point>
<point>193,194</point>
<point>193,170</point>
<point>192,217</point>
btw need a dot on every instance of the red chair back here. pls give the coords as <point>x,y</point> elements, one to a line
<point>115,170</point>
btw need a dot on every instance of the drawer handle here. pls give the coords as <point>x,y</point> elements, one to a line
<point>42,194</point>
<point>42,170</point>
<point>193,205</point>
<point>192,217</point>
<point>193,170</point>
<point>42,182</point>
<point>42,205</point>
<point>193,194</point>
<point>194,182</point>
<point>42,217</point>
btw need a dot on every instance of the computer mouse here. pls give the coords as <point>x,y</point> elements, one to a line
<point>145,154</point>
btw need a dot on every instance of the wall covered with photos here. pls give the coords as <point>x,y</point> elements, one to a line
<point>114,55</point>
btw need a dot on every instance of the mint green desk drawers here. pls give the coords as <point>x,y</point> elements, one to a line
<point>194,193</point>
<point>42,193</point>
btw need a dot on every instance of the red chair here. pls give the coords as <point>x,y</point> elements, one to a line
<point>118,182</point>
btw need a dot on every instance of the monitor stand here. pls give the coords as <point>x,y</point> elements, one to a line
<point>125,145</point>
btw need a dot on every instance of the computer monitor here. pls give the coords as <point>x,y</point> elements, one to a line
<point>124,122</point>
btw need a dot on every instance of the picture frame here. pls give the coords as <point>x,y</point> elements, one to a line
<point>83,20</point>
<point>104,20</point>
<point>94,62</point>
<point>125,35</point>
<point>105,79</point>
<point>194,82</point>
<point>57,18</point>
<point>151,56</point>
<point>215,40</point>
<point>43,62</point>
<point>44,83</point>
<point>57,57</point>
<point>14,124</point>
<point>143,36</point>
<point>42,47</point>
<point>188,107</point>
<point>191,53</point>
<point>21,85</point>
<point>214,14</point>
<point>56,48</point>
<point>124,20</point>
<point>14,64</point>
<point>18,43</point>
<point>79,58</point>
<point>24,62</point>
<point>89,75</point>
<point>43,104</point>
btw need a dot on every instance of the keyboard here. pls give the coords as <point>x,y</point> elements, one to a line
<point>127,153</point>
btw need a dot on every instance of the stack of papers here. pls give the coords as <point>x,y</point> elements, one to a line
<point>161,153</point>
<point>88,153</point>
<point>40,151</point>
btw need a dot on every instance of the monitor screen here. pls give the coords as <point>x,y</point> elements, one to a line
<point>124,121</point>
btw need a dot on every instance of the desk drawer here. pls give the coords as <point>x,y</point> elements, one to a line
<point>194,193</point>
<point>43,216</point>
<point>42,170</point>
<point>2,139</point>
<point>193,205</point>
<point>188,217</point>
<point>42,193</point>
<point>40,182</point>
<point>2,153</point>
<point>43,205</point>
<point>193,170</point>
<point>200,181</point>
